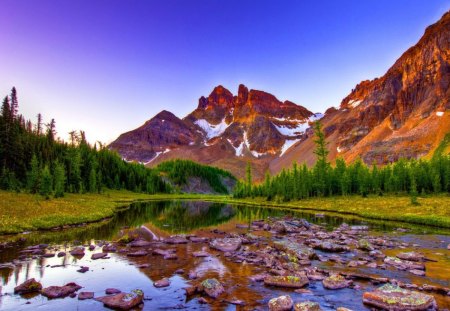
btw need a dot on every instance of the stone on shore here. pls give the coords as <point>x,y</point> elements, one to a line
<point>307,306</point>
<point>336,281</point>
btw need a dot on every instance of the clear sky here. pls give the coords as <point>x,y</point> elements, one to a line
<point>107,66</point>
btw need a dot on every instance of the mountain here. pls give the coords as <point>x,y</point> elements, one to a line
<point>224,130</point>
<point>404,113</point>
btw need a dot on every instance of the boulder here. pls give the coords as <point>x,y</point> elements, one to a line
<point>392,297</point>
<point>336,281</point>
<point>365,245</point>
<point>295,249</point>
<point>212,288</point>
<point>77,251</point>
<point>162,283</point>
<point>85,295</point>
<point>411,256</point>
<point>140,243</point>
<point>123,301</point>
<point>226,244</point>
<point>176,240</point>
<point>329,246</point>
<point>307,306</point>
<point>286,281</point>
<point>60,291</point>
<point>140,253</point>
<point>403,264</point>
<point>98,256</point>
<point>112,291</point>
<point>282,303</point>
<point>29,286</point>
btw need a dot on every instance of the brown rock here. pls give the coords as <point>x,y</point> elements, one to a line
<point>212,288</point>
<point>85,295</point>
<point>98,256</point>
<point>60,291</point>
<point>162,283</point>
<point>29,286</point>
<point>286,281</point>
<point>281,303</point>
<point>336,281</point>
<point>123,301</point>
<point>392,297</point>
<point>307,306</point>
<point>226,244</point>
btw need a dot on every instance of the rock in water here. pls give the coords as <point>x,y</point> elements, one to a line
<point>226,244</point>
<point>212,288</point>
<point>60,291</point>
<point>307,306</point>
<point>29,286</point>
<point>85,295</point>
<point>282,303</point>
<point>335,281</point>
<point>392,297</point>
<point>162,283</point>
<point>286,281</point>
<point>365,245</point>
<point>411,256</point>
<point>77,251</point>
<point>98,256</point>
<point>123,301</point>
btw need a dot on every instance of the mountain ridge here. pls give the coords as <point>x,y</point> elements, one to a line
<point>403,113</point>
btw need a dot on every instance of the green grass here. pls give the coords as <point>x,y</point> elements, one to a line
<point>432,210</point>
<point>25,212</point>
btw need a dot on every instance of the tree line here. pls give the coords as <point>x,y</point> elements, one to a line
<point>300,182</point>
<point>33,159</point>
<point>179,171</point>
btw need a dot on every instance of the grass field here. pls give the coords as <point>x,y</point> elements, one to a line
<point>25,212</point>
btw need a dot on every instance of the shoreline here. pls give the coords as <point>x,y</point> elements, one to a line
<point>26,212</point>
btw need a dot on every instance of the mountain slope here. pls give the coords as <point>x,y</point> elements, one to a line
<point>224,130</point>
<point>405,113</point>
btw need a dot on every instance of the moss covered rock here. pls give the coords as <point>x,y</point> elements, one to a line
<point>287,281</point>
<point>392,297</point>
<point>282,303</point>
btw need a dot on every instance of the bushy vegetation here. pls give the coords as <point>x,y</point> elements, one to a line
<point>33,159</point>
<point>179,172</point>
<point>412,176</point>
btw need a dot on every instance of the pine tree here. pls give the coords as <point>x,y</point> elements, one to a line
<point>33,176</point>
<point>14,103</point>
<point>248,177</point>
<point>46,183</point>
<point>93,180</point>
<point>322,164</point>
<point>59,179</point>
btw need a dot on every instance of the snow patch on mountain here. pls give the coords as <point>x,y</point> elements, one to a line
<point>212,130</point>
<point>239,149</point>
<point>288,144</point>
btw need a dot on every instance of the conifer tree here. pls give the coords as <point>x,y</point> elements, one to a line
<point>33,178</point>
<point>46,183</point>
<point>59,179</point>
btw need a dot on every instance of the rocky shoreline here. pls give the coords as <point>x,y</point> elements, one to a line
<point>291,255</point>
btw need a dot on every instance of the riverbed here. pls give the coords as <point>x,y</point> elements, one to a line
<point>173,233</point>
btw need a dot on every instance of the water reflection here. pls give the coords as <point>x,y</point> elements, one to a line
<point>153,221</point>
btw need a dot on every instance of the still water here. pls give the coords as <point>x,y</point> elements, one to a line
<point>154,221</point>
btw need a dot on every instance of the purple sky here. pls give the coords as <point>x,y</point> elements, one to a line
<point>107,66</point>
